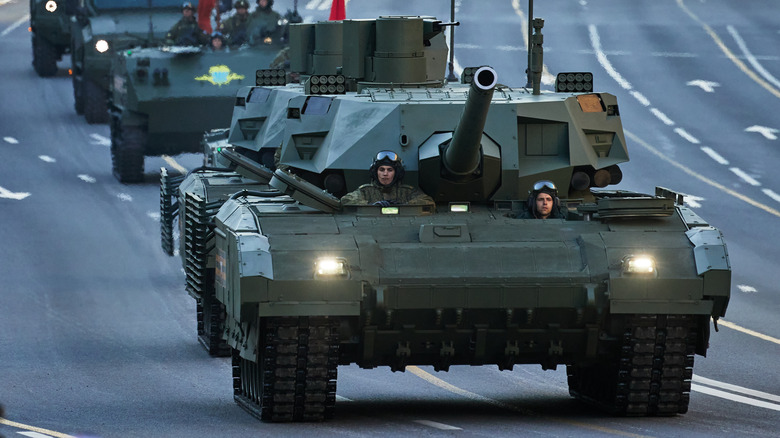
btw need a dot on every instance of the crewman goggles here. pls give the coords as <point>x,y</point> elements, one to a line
<point>545,184</point>
<point>387,156</point>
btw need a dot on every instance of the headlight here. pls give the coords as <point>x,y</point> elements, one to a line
<point>101,46</point>
<point>639,264</point>
<point>51,6</point>
<point>330,267</point>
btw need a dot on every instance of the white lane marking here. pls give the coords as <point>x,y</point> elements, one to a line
<point>735,388</point>
<point>714,155</point>
<point>734,397</point>
<point>684,134</point>
<point>662,117</point>
<point>100,140</point>
<point>769,133</point>
<point>87,178</point>
<point>154,215</point>
<point>511,48</point>
<point>595,41</point>
<point>342,399</point>
<point>640,97</point>
<point>34,434</point>
<point>771,194</point>
<point>750,58</point>
<point>692,201</point>
<point>125,197</point>
<point>11,140</point>
<point>5,193</point>
<point>745,177</point>
<point>747,289</point>
<point>675,54</point>
<point>16,24</point>
<point>47,158</point>
<point>435,425</point>
<point>707,86</point>
<point>467,46</point>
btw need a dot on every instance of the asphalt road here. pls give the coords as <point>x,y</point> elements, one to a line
<point>97,336</point>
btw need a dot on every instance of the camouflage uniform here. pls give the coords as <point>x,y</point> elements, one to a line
<point>262,23</point>
<point>397,194</point>
<point>187,33</point>
<point>236,29</point>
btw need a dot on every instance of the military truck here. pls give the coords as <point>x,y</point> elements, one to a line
<point>50,27</point>
<point>100,29</point>
<point>621,290</point>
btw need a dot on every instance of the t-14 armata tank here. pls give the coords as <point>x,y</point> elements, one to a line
<point>620,287</point>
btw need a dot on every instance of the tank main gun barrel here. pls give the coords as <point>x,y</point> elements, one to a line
<point>462,155</point>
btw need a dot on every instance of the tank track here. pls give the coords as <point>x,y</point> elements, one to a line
<point>653,371</point>
<point>169,208</point>
<point>294,378</point>
<point>198,245</point>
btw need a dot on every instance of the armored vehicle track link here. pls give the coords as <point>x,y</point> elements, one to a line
<point>294,378</point>
<point>652,374</point>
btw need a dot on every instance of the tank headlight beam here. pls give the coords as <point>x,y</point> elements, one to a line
<point>51,6</point>
<point>639,264</point>
<point>101,46</point>
<point>331,267</point>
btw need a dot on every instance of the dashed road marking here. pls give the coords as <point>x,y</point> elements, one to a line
<point>714,155</point>
<point>154,215</point>
<point>47,158</point>
<point>5,193</point>
<point>342,399</point>
<point>662,117</point>
<point>125,197</point>
<point>684,134</point>
<point>734,397</point>
<point>10,140</point>
<point>100,140</point>
<point>640,97</point>
<point>750,58</point>
<point>16,24</point>
<point>744,176</point>
<point>435,425</point>
<point>746,289</point>
<point>771,193</point>
<point>87,178</point>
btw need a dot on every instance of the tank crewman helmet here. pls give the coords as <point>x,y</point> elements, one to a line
<point>387,158</point>
<point>241,4</point>
<point>187,5</point>
<point>543,186</point>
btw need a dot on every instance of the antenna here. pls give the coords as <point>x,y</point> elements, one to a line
<point>530,79</point>
<point>451,76</point>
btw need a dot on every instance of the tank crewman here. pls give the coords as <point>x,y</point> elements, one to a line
<point>218,43</point>
<point>263,22</point>
<point>236,27</point>
<point>543,202</point>
<point>386,172</point>
<point>186,31</point>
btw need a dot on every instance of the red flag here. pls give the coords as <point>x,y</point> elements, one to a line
<point>337,10</point>
<point>204,14</point>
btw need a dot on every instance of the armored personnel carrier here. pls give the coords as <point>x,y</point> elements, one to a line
<point>163,99</point>
<point>50,27</point>
<point>621,289</point>
<point>99,30</point>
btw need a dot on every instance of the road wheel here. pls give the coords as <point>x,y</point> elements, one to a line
<point>127,152</point>
<point>78,94</point>
<point>95,103</point>
<point>44,57</point>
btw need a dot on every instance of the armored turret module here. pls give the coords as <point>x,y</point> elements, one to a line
<point>620,287</point>
<point>99,30</point>
<point>50,27</point>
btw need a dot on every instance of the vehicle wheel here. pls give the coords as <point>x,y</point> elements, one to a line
<point>95,103</point>
<point>294,378</point>
<point>650,376</point>
<point>78,94</point>
<point>44,57</point>
<point>127,152</point>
